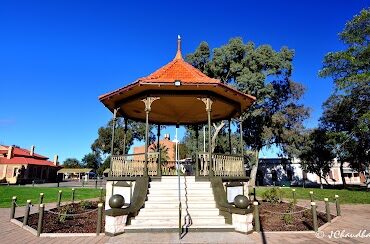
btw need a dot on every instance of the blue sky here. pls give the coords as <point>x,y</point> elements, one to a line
<point>57,57</point>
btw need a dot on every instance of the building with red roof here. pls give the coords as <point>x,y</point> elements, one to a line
<point>19,165</point>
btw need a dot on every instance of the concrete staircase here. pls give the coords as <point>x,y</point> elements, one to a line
<point>161,211</point>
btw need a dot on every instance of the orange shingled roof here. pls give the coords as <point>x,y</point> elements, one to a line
<point>178,69</point>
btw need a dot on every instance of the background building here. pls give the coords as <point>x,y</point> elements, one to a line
<point>166,145</point>
<point>286,172</point>
<point>18,165</point>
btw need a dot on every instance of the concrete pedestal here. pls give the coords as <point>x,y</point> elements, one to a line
<point>243,223</point>
<point>115,225</point>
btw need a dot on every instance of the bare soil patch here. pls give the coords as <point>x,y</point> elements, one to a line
<point>80,219</point>
<point>276,217</point>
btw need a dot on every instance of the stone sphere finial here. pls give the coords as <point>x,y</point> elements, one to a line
<point>241,201</point>
<point>116,201</point>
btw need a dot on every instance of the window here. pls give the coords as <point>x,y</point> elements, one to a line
<point>15,172</point>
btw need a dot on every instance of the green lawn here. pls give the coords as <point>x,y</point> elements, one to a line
<point>50,194</point>
<point>345,195</point>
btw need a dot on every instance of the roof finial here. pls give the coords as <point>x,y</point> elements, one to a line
<point>178,54</point>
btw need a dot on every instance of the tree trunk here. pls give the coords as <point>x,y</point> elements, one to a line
<point>217,130</point>
<point>253,175</point>
<point>342,174</point>
<point>321,186</point>
<point>327,182</point>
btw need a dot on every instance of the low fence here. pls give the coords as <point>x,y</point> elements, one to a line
<point>313,207</point>
<point>60,213</point>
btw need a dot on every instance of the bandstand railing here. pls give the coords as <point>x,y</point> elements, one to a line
<point>133,165</point>
<point>222,165</point>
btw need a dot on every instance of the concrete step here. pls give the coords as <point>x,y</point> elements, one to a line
<point>175,199</point>
<point>176,187</point>
<point>191,205</point>
<point>174,221</point>
<point>175,212</point>
<point>172,228</point>
<point>182,184</point>
<point>182,193</point>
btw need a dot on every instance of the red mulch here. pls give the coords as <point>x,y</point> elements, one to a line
<point>85,223</point>
<point>300,221</point>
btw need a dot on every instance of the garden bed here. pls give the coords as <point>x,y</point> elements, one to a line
<point>272,217</point>
<point>82,218</point>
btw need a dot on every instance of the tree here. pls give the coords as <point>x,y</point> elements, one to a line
<point>72,163</point>
<point>135,130</point>
<point>104,165</point>
<point>183,151</point>
<point>220,141</point>
<point>275,118</point>
<point>163,148</point>
<point>91,160</point>
<point>347,112</point>
<point>351,67</point>
<point>317,154</point>
<point>346,118</point>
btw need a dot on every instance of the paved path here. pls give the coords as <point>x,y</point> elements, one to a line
<point>354,218</point>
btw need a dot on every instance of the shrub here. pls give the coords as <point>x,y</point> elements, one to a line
<point>288,218</point>
<point>63,211</point>
<point>87,204</point>
<point>273,195</point>
<point>307,214</point>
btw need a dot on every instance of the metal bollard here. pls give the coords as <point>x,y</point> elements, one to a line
<point>27,212</point>
<point>73,195</point>
<point>256,217</point>
<point>101,194</point>
<point>33,183</point>
<point>254,193</point>
<point>280,195</point>
<point>83,183</point>
<point>294,198</point>
<point>337,205</point>
<point>100,218</point>
<point>327,208</point>
<point>12,209</point>
<point>58,184</point>
<point>96,183</point>
<point>59,198</point>
<point>311,196</point>
<point>41,198</point>
<point>41,218</point>
<point>314,216</point>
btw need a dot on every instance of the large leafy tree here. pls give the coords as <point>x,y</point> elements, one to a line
<point>91,160</point>
<point>220,142</point>
<point>317,154</point>
<point>101,147</point>
<point>276,117</point>
<point>350,68</point>
<point>72,163</point>
<point>347,112</point>
<point>135,130</point>
<point>163,148</point>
